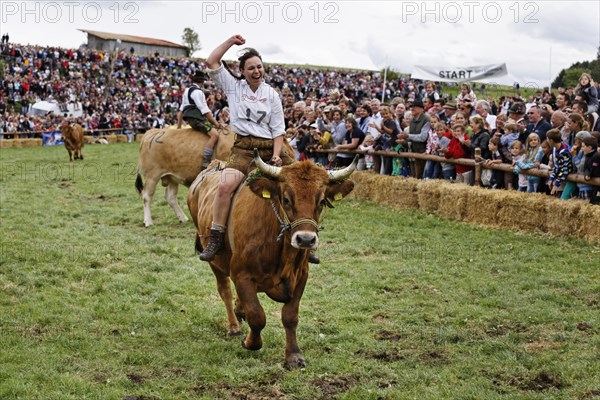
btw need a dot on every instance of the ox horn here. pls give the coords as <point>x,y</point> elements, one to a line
<point>340,175</point>
<point>269,170</point>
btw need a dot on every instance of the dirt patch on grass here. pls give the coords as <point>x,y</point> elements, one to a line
<point>538,383</point>
<point>332,386</point>
<point>504,329</point>
<point>434,356</point>
<point>266,388</point>
<point>135,378</point>
<point>540,345</point>
<point>590,395</point>
<point>389,355</point>
<point>390,336</point>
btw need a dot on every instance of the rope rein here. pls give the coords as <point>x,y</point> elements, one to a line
<point>286,225</point>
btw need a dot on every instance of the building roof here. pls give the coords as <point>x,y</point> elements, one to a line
<point>133,39</point>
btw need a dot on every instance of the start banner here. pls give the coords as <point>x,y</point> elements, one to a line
<point>481,73</point>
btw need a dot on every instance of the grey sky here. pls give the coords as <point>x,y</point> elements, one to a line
<point>536,39</point>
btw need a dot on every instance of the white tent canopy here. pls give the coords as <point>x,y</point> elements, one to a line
<point>43,108</point>
<point>46,106</point>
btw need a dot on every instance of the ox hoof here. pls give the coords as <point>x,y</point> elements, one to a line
<point>231,332</point>
<point>148,224</point>
<point>294,361</point>
<point>253,346</point>
<point>184,219</point>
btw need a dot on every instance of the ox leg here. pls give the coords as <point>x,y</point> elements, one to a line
<point>171,197</point>
<point>239,310</point>
<point>255,315</point>
<point>70,154</point>
<point>147,194</point>
<point>224,289</point>
<point>289,318</point>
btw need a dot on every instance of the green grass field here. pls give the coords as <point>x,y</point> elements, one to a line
<point>405,305</point>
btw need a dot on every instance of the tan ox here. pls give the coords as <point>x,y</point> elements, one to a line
<point>73,137</point>
<point>272,226</point>
<point>174,157</point>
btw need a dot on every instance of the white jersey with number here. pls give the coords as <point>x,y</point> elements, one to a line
<point>257,113</point>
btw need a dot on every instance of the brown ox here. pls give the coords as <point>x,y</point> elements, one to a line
<point>253,257</point>
<point>174,157</point>
<point>73,137</point>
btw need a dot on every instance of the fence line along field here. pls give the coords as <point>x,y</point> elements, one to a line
<point>404,305</point>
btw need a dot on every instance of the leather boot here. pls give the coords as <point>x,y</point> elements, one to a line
<point>215,243</point>
<point>312,257</point>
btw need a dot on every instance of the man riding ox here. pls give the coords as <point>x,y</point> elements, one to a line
<point>171,157</point>
<point>271,228</point>
<point>195,112</point>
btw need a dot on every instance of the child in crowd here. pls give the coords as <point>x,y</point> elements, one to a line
<point>367,162</point>
<point>579,159</point>
<point>591,166</point>
<point>544,164</point>
<point>533,155</point>
<point>457,148</point>
<point>448,169</point>
<point>400,166</point>
<point>432,168</point>
<point>562,162</point>
<point>497,180</point>
<point>516,152</point>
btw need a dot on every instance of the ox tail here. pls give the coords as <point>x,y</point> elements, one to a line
<point>139,183</point>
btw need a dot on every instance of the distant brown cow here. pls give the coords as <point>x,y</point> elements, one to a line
<point>272,226</point>
<point>73,137</point>
<point>174,156</point>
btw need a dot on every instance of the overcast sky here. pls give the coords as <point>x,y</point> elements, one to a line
<point>536,39</point>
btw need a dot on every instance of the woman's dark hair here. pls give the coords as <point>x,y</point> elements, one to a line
<point>352,122</point>
<point>368,108</point>
<point>245,54</point>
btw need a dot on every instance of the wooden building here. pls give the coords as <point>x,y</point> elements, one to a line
<point>106,41</point>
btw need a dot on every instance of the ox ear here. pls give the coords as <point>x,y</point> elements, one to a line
<point>265,188</point>
<point>337,191</point>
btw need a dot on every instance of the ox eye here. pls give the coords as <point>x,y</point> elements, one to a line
<point>286,201</point>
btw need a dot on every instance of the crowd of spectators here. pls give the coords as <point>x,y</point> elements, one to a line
<point>324,109</point>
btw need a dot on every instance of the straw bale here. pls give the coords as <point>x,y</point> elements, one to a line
<point>428,194</point>
<point>31,142</point>
<point>112,139</point>
<point>452,200</point>
<point>525,211</point>
<point>363,185</point>
<point>6,143</point>
<point>589,222</point>
<point>17,143</point>
<point>88,139</point>
<point>139,137</point>
<point>562,217</point>
<point>482,205</point>
<point>400,193</point>
<point>121,138</point>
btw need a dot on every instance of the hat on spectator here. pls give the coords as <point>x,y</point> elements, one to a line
<point>517,108</point>
<point>450,106</point>
<point>327,109</point>
<point>315,126</point>
<point>199,77</point>
<point>417,103</point>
